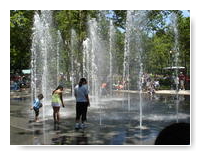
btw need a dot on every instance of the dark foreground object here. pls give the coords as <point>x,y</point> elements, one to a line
<point>175,134</point>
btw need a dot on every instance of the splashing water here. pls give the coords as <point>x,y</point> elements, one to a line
<point>45,57</point>
<point>135,26</point>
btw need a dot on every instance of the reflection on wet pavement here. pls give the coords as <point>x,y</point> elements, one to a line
<point>109,122</point>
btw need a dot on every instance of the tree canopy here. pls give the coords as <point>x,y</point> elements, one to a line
<point>159,39</point>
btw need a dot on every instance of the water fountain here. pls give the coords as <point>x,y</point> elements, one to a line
<point>45,55</point>
<point>97,65</point>
<point>126,63</point>
<point>94,52</point>
<point>135,23</point>
<point>111,47</point>
<point>59,48</point>
<point>92,70</point>
<point>86,59</point>
<point>97,68</point>
<point>44,60</point>
<point>176,57</point>
<point>73,47</point>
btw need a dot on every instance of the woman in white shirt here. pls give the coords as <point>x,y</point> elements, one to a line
<point>82,102</point>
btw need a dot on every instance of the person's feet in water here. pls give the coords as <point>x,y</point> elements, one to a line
<point>77,126</point>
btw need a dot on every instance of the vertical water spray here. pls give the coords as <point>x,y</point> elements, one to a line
<point>94,39</point>
<point>140,92</point>
<point>176,57</point>
<point>44,59</point>
<point>73,48</point>
<point>139,28</point>
<point>126,63</point>
<point>94,73</point>
<point>111,47</point>
<point>59,41</point>
<point>176,45</point>
<point>87,59</point>
<point>45,56</point>
<point>97,60</point>
<point>135,27</point>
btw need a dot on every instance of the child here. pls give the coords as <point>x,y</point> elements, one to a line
<point>36,106</point>
<point>56,102</point>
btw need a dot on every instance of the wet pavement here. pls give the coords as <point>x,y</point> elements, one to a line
<point>111,121</point>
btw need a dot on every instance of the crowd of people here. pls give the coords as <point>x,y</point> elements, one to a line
<point>152,83</point>
<point>149,83</point>
<point>18,81</point>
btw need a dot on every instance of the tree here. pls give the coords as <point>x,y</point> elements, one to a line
<point>157,37</point>
<point>162,40</point>
<point>66,20</point>
<point>20,39</point>
<point>184,42</point>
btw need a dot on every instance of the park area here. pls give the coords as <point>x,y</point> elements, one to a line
<point>137,67</point>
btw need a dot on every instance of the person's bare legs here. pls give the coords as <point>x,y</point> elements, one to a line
<point>36,119</point>
<point>56,115</point>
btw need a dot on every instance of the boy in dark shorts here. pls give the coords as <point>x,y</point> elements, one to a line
<point>37,105</point>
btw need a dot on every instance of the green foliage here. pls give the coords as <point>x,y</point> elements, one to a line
<point>158,55</point>
<point>118,53</point>
<point>119,18</point>
<point>20,39</point>
<point>66,20</point>
<point>162,41</point>
<point>158,37</point>
<point>184,42</point>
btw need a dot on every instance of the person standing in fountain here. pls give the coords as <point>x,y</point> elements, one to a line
<point>82,102</point>
<point>56,102</point>
<point>37,105</point>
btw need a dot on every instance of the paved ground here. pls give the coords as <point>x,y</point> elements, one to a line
<point>26,93</point>
<point>170,92</point>
<point>113,122</point>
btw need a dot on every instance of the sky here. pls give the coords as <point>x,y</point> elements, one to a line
<point>186,13</point>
